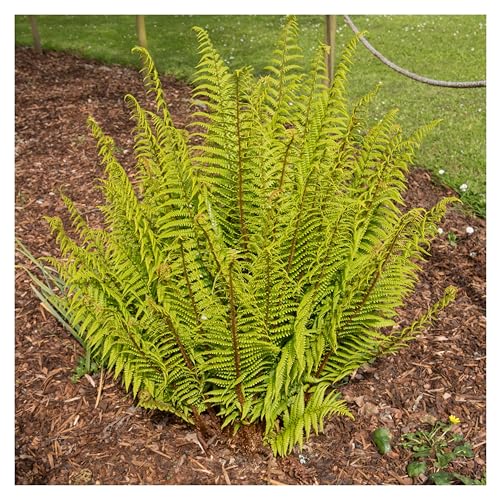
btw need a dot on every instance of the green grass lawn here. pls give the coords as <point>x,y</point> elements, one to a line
<point>440,47</point>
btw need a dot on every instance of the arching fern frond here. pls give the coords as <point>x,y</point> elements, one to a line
<point>151,77</point>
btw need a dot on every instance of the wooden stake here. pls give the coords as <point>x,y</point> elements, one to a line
<point>37,44</point>
<point>140,25</point>
<point>331,28</point>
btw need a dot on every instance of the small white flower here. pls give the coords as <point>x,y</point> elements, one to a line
<point>302,459</point>
<point>469,230</point>
<point>441,172</point>
<point>472,254</point>
<point>464,187</point>
<point>440,231</point>
<point>203,317</point>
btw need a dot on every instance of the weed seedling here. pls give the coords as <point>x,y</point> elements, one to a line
<point>435,449</point>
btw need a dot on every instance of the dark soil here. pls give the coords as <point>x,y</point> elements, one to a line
<point>90,431</point>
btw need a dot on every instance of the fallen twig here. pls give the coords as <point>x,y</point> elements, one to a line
<point>99,390</point>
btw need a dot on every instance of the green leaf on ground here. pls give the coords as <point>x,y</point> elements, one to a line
<point>464,450</point>
<point>442,478</point>
<point>444,458</point>
<point>415,468</point>
<point>382,440</point>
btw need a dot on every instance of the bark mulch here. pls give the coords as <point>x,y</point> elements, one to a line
<point>90,432</point>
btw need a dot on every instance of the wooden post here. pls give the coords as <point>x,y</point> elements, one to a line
<point>331,28</point>
<point>140,25</point>
<point>37,44</point>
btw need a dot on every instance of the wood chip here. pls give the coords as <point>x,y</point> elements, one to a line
<point>271,481</point>
<point>90,380</point>
<point>226,476</point>
<point>99,390</point>
<point>160,453</point>
<point>200,467</point>
<point>417,401</point>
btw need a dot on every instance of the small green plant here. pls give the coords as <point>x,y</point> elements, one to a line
<point>435,449</point>
<point>49,288</point>
<point>452,239</point>
<point>476,201</point>
<point>258,259</point>
<point>85,365</point>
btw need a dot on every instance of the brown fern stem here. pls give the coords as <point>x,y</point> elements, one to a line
<point>323,363</point>
<point>268,289</point>
<point>272,215</point>
<point>196,415</point>
<point>243,227</point>
<point>368,293</point>
<point>234,337</point>
<point>199,421</point>
<point>141,352</point>
<point>272,212</point>
<point>324,267</point>
<point>233,318</point>
<point>189,286</point>
<point>211,246</point>
<point>180,345</point>
<point>310,98</point>
<point>297,225</point>
<point>358,308</point>
<point>285,161</point>
<point>282,75</point>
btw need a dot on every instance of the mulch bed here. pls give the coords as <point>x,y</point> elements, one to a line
<point>90,432</point>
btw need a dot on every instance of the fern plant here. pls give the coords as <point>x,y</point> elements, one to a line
<point>49,288</point>
<point>259,258</point>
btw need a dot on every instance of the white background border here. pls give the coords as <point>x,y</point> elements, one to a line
<point>299,7</point>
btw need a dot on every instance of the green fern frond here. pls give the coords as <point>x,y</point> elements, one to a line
<point>284,77</point>
<point>400,338</point>
<point>151,77</point>
<point>301,417</point>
